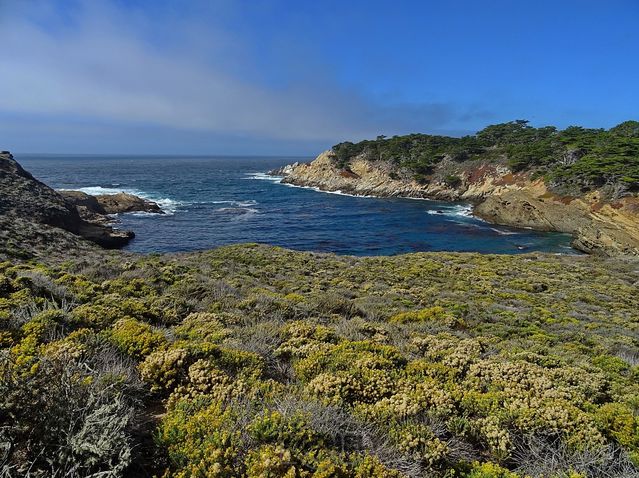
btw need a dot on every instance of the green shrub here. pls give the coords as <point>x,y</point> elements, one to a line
<point>489,470</point>
<point>135,338</point>
<point>436,314</point>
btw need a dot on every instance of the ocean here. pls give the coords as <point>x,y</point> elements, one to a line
<point>214,201</point>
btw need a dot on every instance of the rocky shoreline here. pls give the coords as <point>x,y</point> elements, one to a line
<point>499,195</point>
<point>101,207</point>
<point>34,216</point>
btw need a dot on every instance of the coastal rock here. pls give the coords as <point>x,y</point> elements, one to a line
<point>27,201</point>
<point>383,179</point>
<point>284,170</point>
<point>597,227</point>
<point>111,203</point>
<point>499,195</point>
<point>124,202</point>
<point>88,207</point>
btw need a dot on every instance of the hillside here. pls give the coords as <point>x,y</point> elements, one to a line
<point>256,361</point>
<point>572,161</point>
<point>579,181</point>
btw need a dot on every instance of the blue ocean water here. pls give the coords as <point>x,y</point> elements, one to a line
<point>212,201</point>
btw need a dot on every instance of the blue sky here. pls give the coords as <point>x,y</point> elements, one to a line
<point>295,77</point>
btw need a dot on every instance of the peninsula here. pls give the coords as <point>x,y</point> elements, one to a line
<point>577,180</point>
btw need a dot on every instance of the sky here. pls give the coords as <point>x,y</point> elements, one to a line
<point>276,77</point>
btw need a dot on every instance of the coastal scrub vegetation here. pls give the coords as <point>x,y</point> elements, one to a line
<point>257,361</point>
<point>573,158</point>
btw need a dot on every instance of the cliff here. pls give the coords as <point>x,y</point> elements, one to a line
<point>38,215</point>
<point>599,225</point>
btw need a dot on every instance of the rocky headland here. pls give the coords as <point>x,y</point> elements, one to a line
<point>598,224</point>
<point>35,218</point>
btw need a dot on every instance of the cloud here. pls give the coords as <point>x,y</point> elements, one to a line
<point>104,62</point>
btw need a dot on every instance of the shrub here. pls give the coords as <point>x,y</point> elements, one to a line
<point>196,440</point>
<point>164,369</point>
<point>72,423</point>
<point>434,315</point>
<point>271,461</point>
<point>489,470</point>
<point>135,338</point>
<point>202,326</point>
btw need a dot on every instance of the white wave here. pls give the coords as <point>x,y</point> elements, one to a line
<point>142,213</point>
<point>337,192</point>
<point>97,190</point>
<point>240,210</point>
<point>504,233</point>
<point>237,213</point>
<point>461,210</point>
<point>340,193</point>
<point>264,177</point>
<point>169,206</point>
<point>236,203</point>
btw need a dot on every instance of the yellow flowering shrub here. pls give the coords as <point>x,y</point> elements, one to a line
<point>271,461</point>
<point>490,470</point>
<point>335,388</point>
<point>495,435</point>
<point>411,399</point>
<point>202,326</point>
<point>197,440</point>
<point>449,350</point>
<point>436,314</point>
<point>367,466</point>
<point>621,423</point>
<point>164,369</point>
<point>136,338</point>
<point>323,366</point>
<point>304,338</point>
<point>419,442</point>
<point>205,379</point>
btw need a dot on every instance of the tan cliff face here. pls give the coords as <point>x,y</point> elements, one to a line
<point>500,196</point>
<point>376,178</point>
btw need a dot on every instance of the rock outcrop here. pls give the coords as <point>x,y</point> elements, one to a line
<point>500,196</point>
<point>28,202</point>
<point>97,208</point>
<point>125,202</point>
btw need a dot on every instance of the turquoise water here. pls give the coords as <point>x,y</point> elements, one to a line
<point>212,201</point>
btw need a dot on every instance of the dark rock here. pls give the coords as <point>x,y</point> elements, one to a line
<point>96,209</point>
<point>25,200</point>
<point>80,199</point>
<point>124,202</point>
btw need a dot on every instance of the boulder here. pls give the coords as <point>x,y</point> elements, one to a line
<point>124,202</point>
